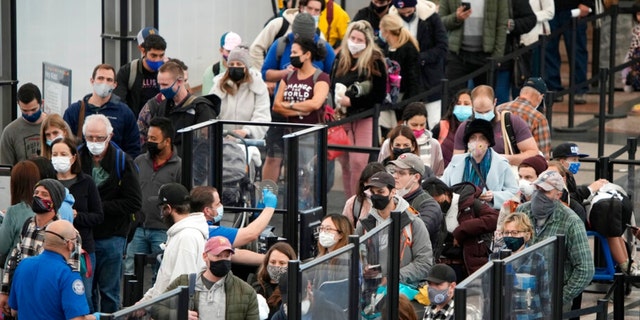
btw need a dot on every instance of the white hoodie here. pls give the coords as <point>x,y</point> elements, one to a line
<point>182,252</point>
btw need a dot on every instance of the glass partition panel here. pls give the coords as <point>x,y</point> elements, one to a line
<point>163,307</point>
<point>308,170</point>
<point>478,286</point>
<point>374,254</point>
<point>325,288</point>
<point>201,157</point>
<point>529,278</point>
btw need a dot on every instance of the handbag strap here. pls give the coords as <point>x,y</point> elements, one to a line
<point>475,167</point>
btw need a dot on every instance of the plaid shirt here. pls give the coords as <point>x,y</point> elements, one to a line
<point>430,312</point>
<point>578,267</point>
<point>536,121</point>
<point>534,264</point>
<point>31,244</point>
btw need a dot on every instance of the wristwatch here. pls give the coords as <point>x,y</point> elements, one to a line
<point>291,104</point>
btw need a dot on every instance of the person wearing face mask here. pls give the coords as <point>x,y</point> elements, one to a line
<point>87,207</point>
<point>416,256</point>
<point>550,217</point>
<point>65,292</point>
<point>181,107</point>
<point>116,177</point>
<point>186,237</point>
<point>482,166</point>
<point>568,198</point>
<point>20,138</point>
<point>463,240</point>
<point>568,154</point>
<point>459,111</point>
<point>512,136</point>
<point>272,271</point>
<point>137,79</point>
<point>229,41</point>
<point>158,166</point>
<point>219,294</point>
<point>243,95</point>
<point>527,107</point>
<point>48,195</point>
<point>441,286</point>
<point>53,127</point>
<point>372,14</point>
<point>516,233</point>
<point>408,171</point>
<point>103,101</point>
<point>359,60</point>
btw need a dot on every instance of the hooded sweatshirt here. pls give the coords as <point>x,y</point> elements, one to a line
<point>182,253</point>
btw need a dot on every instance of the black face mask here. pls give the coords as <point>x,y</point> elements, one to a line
<point>379,202</point>
<point>377,9</point>
<point>398,151</point>
<point>408,18</point>
<point>236,73</point>
<point>40,205</point>
<point>444,206</point>
<point>295,61</point>
<point>220,268</point>
<point>153,149</point>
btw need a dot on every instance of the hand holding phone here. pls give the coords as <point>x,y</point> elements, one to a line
<point>466,5</point>
<point>634,228</point>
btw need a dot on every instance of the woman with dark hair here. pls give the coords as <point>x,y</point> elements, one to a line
<point>359,204</point>
<point>24,176</point>
<point>87,209</point>
<point>272,270</point>
<point>459,110</point>
<point>400,140</point>
<point>333,233</point>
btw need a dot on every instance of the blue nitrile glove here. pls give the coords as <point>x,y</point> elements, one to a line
<point>97,315</point>
<point>270,200</point>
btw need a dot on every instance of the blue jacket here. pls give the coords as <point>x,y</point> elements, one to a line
<point>125,127</point>
<point>271,60</point>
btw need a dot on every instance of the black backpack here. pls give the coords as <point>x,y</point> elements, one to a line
<point>609,210</point>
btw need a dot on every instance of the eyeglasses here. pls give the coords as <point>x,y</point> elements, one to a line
<point>60,236</point>
<point>326,229</point>
<point>96,138</point>
<point>512,233</point>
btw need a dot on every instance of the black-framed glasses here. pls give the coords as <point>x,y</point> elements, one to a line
<point>326,229</point>
<point>512,233</point>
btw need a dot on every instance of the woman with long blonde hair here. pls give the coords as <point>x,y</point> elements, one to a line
<point>360,61</point>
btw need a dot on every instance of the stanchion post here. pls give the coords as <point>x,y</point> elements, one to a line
<point>618,297</point>
<point>632,143</point>
<point>602,117</point>
<point>460,303</point>
<point>354,283</point>
<point>612,55</point>
<point>393,285</point>
<point>604,305</point>
<point>444,93</point>
<point>295,291</point>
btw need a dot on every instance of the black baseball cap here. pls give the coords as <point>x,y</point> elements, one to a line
<point>567,149</point>
<point>441,273</point>
<point>172,194</point>
<point>381,179</point>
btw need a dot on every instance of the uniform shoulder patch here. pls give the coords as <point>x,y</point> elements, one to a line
<point>78,287</point>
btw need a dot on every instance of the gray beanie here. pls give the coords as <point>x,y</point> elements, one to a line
<point>304,26</point>
<point>240,53</point>
<point>56,191</point>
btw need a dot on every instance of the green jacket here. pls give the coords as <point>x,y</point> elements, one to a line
<point>240,299</point>
<point>494,35</point>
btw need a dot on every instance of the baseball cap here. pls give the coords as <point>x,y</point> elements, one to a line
<point>441,273</point>
<point>381,179</point>
<point>172,194</point>
<point>404,3</point>
<point>142,34</point>
<point>536,83</point>
<point>567,149</point>
<point>216,245</point>
<point>230,40</point>
<point>409,161</point>
<point>550,180</point>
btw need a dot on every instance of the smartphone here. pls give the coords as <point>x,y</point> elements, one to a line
<point>466,5</point>
<point>634,228</point>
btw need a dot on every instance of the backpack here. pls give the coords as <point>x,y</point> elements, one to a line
<point>610,210</point>
<point>120,160</point>
<point>133,73</point>
<point>393,81</point>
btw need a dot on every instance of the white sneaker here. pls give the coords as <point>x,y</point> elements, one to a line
<point>634,270</point>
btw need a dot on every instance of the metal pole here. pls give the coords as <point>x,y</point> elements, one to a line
<point>618,297</point>
<point>496,290</point>
<point>393,275</point>
<point>444,102</point>
<point>604,173</point>
<point>601,114</point>
<point>291,220</point>
<point>491,72</point>
<point>294,296</point>
<point>612,55</point>
<point>604,304</point>
<point>354,278</point>
<point>548,106</point>
<point>632,143</point>
<point>215,136</point>
<point>544,39</point>
<point>187,159</point>
<point>183,304</point>
<point>124,29</point>
<point>322,162</point>
<point>460,303</point>
<point>572,72</point>
<point>556,294</point>
<point>375,139</point>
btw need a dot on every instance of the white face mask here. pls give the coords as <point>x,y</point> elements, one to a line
<point>355,48</point>
<point>526,187</point>
<point>103,90</point>
<point>61,164</point>
<point>406,189</point>
<point>96,148</point>
<point>327,239</point>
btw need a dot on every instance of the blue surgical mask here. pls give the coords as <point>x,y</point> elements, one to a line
<point>574,167</point>
<point>485,116</point>
<point>33,117</point>
<point>168,91</point>
<point>461,112</point>
<point>50,142</point>
<point>155,65</point>
<point>220,211</point>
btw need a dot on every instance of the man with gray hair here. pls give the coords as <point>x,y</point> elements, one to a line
<point>116,177</point>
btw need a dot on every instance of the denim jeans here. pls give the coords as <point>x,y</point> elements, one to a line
<point>88,282</point>
<point>108,274</point>
<point>146,241</point>
<point>552,57</point>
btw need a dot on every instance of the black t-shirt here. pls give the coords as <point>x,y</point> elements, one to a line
<point>149,86</point>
